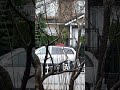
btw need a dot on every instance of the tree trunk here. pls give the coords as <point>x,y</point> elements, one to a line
<point>116,86</point>
<point>38,74</point>
<point>28,67</point>
<point>29,46</point>
<point>103,43</point>
<point>71,86</point>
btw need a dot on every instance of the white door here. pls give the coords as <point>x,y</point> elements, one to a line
<point>75,37</point>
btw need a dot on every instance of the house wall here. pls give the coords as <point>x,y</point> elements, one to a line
<point>95,16</point>
<point>94,22</point>
<point>65,10</point>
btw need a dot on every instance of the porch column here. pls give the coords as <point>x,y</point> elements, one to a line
<point>70,35</point>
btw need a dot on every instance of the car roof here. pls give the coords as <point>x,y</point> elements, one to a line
<point>61,46</point>
<point>54,46</point>
<point>57,46</point>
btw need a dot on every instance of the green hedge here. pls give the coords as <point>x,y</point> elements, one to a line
<point>43,40</point>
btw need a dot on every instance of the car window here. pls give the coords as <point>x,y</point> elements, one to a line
<point>42,50</point>
<point>68,51</point>
<point>57,50</point>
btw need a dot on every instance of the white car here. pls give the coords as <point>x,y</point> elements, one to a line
<point>58,53</point>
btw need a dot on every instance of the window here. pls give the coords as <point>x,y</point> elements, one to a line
<point>56,50</point>
<point>68,51</point>
<point>42,51</point>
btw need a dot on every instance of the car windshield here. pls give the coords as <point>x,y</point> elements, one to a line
<point>42,50</point>
<point>60,50</point>
<point>57,50</point>
<point>68,51</point>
